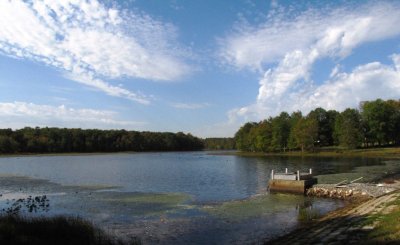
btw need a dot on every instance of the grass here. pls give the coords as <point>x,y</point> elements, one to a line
<point>387,229</point>
<point>56,230</point>
<point>379,152</point>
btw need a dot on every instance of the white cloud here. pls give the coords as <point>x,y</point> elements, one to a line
<point>91,42</point>
<point>285,48</point>
<point>333,32</point>
<point>21,114</point>
<point>343,90</point>
<point>365,82</point>
<point>190,106</point>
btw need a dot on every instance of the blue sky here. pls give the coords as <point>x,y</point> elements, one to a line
<point>203,67</point>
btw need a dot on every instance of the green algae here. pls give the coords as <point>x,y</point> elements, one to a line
<point>368,173</point>
<point>255,207</point>
<point>147,204</point>
<point>161,198</point>
<point>91,187</point>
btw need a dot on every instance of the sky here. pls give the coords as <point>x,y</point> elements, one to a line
<point>201,67</point>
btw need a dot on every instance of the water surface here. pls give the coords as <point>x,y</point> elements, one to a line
<point>189,197</point>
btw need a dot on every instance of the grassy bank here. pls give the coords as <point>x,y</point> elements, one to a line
<point>381,152</point>
<point>386,224</point>
<point>56,230</point>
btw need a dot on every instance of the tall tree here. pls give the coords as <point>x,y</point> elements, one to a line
<point>348,129</point>
<point>220,143</point>
<point>395,120</point>
<point>243,138</point>
<point>306,133</point>
<point>331,119</point>
<point>280,131</point>
<point>47,140</point>
<point>294,119</point>
<point>379,123</point>
<point>264,136</point>
<point>326,124</point>
<point>376,116</point>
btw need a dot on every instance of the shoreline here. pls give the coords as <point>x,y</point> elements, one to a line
<point>377,152</point>
<point>84,153</point>
<point>349,224</point>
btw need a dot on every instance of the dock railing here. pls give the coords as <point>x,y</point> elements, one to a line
<point>291,176</point>
<point>291,182</point>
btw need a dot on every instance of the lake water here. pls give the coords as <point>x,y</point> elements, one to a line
<point>190,197</point>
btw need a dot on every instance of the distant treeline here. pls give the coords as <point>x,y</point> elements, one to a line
<point>62,140</point>
<point>375,123</point>
<point>219,144</point>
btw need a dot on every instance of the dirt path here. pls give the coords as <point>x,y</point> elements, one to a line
<point>345,226</point>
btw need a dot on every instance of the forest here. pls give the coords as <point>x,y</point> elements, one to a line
<point>63,140</point>
<point>219,144</point>
<point>374,123</point>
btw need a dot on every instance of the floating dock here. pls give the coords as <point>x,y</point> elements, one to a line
<point>294,182</point>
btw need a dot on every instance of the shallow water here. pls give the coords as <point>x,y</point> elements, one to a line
<point>182,198</point>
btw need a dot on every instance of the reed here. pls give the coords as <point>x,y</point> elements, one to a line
<point>15,229</point>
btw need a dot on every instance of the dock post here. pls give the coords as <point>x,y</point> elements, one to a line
<point>285,170</point>
<point>298,175</point>
<point>310,170</point>
<point>272,174</point>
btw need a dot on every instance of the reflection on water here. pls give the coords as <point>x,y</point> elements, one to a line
<point>207,178</point>
<point>171,197</point>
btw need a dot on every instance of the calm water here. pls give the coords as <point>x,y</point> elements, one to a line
<point>223,197</point>
<point>205,177</point>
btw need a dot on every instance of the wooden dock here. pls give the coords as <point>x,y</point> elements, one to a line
<point>291,182</point>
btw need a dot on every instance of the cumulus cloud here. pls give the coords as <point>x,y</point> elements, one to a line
<point>365,82</point>
<point>285,48</point>
<point>91,42</point>
<point>21,114</point>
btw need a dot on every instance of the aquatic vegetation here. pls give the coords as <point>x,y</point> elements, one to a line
<point>146,203</point>
<point>256,206</point>
<point>30,204</point>
<point>369,173</point>
<point>91,187</point>
<point>56,230</point>
<point>308,214</point>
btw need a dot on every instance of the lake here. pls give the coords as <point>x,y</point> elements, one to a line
<point>184,197</point>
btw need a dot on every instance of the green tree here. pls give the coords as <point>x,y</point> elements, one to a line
<point>220,143</point>
<point>348,129</point>
<point>378,121</point>
<point>243,137</point>
<point>331,120</point>
<point>42,140</point>
<point>280,131</point>
<point>294,119</point>
<point>395,120</point>
<point>8,144</point>
<point>305,133</point>
<point>326,124</point>
<point>264,136</point>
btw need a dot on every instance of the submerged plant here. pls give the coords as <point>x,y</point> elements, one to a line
<point>30,204</point>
